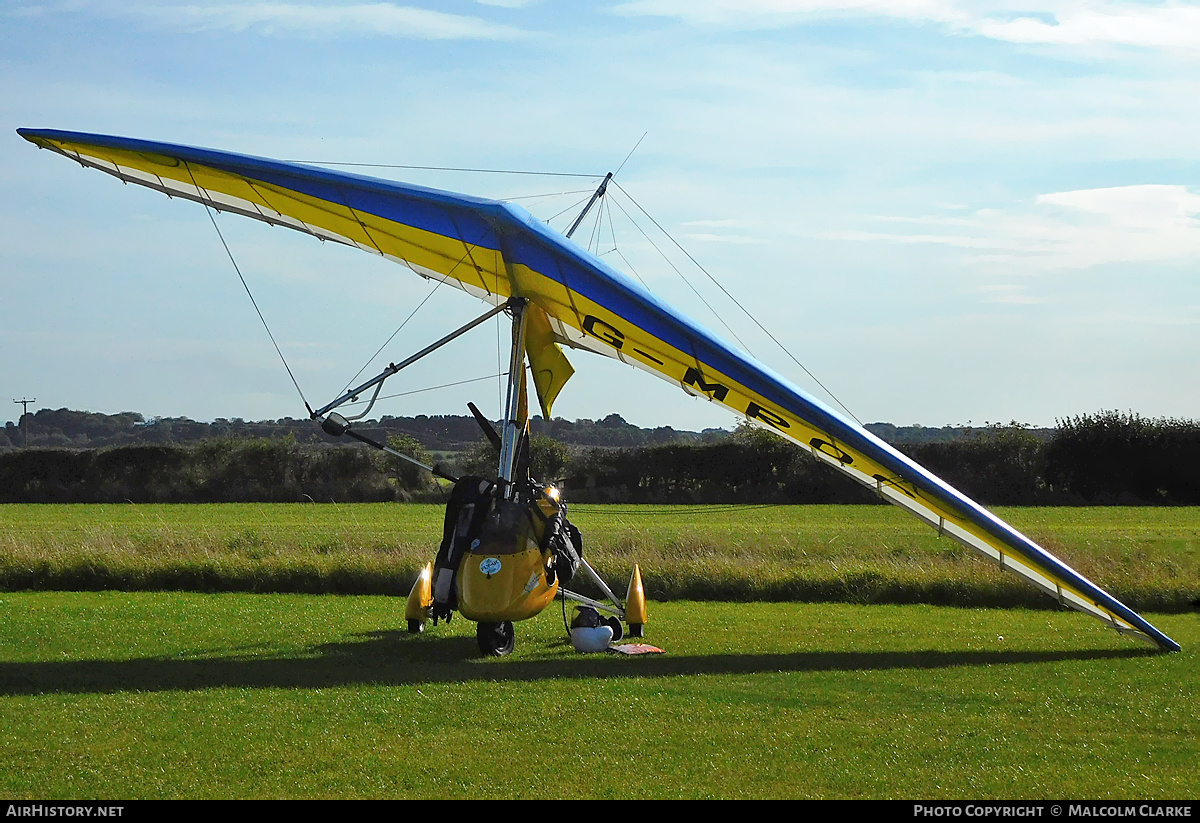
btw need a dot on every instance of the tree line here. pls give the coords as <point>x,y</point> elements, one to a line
<point>67,428</point>
<point>1107,458</point>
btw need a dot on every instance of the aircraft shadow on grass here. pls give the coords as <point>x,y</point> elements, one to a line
<point>397,658</point>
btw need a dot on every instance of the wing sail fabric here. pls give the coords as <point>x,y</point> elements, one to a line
<point>437,234</point>
<point>496,250</point>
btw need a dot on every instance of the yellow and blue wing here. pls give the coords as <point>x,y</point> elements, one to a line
<point>495,250</point>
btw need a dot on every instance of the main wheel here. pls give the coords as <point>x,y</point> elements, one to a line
<point>495,639</point>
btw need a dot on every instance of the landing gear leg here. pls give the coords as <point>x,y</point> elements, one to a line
<point>495,639</point>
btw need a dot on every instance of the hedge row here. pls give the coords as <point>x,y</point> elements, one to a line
<point>1108,458</point>
<point>215,471</point>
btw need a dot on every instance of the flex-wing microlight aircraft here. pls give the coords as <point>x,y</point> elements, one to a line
<point>507,542</point>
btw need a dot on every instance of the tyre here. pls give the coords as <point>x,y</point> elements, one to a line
<point>416,626</point>
<point>495,639</point>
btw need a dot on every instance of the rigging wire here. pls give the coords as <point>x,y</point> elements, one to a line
<point>411,314</point>
<point>632,269</point>
<point>594,238</point>
<point>446,168</point>
<point>591,241</point>
<point>547,194</point>
<point>431,388</point>
<point>470,247</point>
<point>209,211</point>
<point>612,231</point>
<point>631,151</point>
<point>614,250</point>
<point>738,304</point>
<point>572,207</point>
<point>605,207</point>
<point>681,274</point>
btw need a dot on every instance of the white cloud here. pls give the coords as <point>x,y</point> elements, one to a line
<point>754,13</point>
<point>1066,230</point>
<point>1146,206</point>
<point>1164,27</point>
<point>383,19</point>
<point>1170,27</point>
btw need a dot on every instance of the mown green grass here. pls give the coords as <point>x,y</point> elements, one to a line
<point>1147,557</point>
<point>182,695</point>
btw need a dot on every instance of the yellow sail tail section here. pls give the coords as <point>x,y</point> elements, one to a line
<point>550,367</point>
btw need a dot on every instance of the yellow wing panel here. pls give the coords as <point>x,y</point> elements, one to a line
<point>475,266</point>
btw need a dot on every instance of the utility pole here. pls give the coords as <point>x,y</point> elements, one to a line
<point>25,413</point>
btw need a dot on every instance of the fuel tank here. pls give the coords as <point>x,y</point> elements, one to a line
<point>502,577</point>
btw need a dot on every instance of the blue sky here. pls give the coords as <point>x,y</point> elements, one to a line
<point>947,211</point>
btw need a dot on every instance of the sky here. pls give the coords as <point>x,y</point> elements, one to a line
<point>942,212</point>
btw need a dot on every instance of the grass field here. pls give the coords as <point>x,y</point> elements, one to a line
<point>149,694</point>
<point>180,695</point>
<point>1147,557</point>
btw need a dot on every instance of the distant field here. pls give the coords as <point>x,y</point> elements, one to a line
<point>1148,557</point>
<point>183,695</point>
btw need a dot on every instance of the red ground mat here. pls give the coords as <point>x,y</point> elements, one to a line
<point>635,648</point>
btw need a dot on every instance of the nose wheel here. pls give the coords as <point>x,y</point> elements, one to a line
<point>496,639</point>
